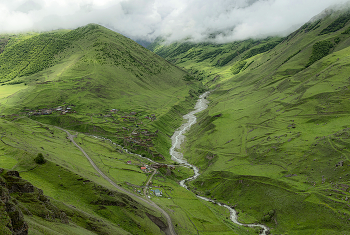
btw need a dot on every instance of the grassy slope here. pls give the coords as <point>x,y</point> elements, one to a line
<point>97,71</point>
<point>275,139</point>
<point>65,178</point>
<point>212,62</point>
<point>68,179</point>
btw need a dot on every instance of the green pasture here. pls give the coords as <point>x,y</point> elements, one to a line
<point>275,138</point>
<point>7,162</point>
<point>8,90</point>
<point>66,176</point>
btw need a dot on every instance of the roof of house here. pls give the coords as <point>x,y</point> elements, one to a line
<point>157,192</point>
<point>143,168</point>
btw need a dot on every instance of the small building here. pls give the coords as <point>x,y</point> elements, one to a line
<point>158,193</point>
<point>47,112</point>
<point>128,162</point>
<point>143,168</point>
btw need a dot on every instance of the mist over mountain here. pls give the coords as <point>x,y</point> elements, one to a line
<point>88,117</point>
<point>221,21</point>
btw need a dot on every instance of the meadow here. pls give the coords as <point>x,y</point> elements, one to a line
<point>274,141</point>
<point>91,81</point>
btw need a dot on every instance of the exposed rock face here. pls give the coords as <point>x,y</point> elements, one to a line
<point>18,226</point>
<point>12,208</point>
<point>13,173</point>
<point>64,218</point>
<point>14,217</point>
<point>19,200</point>
<point>162,226</point>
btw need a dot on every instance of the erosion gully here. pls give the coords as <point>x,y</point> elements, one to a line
<point>179,137</point>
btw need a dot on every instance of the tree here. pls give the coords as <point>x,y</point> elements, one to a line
<point>40,159</point>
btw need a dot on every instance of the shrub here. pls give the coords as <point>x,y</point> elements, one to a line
<point>261,49</point>
<point>337,40</point>
<point>319,50</point>
<point>337,24</point>
<point>188,77</point>
<point>347,31</point>
<point>237,67</point>
<point>40,159</point>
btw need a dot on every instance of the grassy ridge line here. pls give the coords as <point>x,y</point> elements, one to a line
<point>274,139</point>
<point>203,59</point>
<point>211,58</point>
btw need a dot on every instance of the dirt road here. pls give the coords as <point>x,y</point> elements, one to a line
<point>169,231</point>
<point>149,180</point>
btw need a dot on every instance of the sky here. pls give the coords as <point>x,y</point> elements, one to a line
<point>197,20</point>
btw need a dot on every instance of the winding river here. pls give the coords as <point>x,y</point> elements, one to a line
<point>179,137</point>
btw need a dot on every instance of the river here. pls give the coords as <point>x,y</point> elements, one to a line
<point>179,137</point>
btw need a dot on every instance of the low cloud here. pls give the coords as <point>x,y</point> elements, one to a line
<point>221,20</point>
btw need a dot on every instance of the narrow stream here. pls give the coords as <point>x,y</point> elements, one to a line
<point>179,137</point>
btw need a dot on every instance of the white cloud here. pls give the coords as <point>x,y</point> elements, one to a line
<point>177,19</point>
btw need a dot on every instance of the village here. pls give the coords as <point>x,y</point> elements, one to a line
<point>148,169</point>
<point>63,110</point>
<point>129,127</point>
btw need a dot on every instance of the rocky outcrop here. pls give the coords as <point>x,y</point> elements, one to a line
<point>15,194</point>
<point>161,225</point>
<point>9,209</point>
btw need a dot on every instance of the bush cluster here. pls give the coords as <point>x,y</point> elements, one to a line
<point>319,50</point>
<point>40,159</point>
<point>237,67</point>
<point>337,24</point>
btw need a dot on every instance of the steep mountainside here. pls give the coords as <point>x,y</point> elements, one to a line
<point>92,67</point>
<point>97,84</point>
<point>25,209</point>
<point>95,72</point>
<point>208,61</point>
<point>275,138</point>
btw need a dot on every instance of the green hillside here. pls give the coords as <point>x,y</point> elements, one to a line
<point>93,82</point>
<point>208,61</point>
<point>92,71</point>
<point>274,141</point>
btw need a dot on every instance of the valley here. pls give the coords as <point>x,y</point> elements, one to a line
<point>244,137</point>
<point>140,122</point>
<point>274,138</point>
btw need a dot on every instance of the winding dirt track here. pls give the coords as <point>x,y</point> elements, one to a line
<point>149,180</point>
<point>169,231</point>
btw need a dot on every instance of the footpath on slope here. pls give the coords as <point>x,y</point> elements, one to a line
<point>169,231</point>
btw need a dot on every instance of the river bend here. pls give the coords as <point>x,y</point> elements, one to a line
<point>179,137</point>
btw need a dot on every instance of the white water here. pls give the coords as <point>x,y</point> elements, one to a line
<point>178,138</point>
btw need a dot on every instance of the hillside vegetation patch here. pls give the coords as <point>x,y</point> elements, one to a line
<point>319,50</point>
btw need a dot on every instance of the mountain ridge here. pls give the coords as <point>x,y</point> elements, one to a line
<point>272,143</point>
